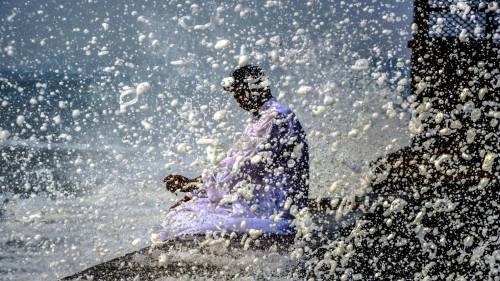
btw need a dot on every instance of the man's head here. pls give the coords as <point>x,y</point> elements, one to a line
<point>249,86</point>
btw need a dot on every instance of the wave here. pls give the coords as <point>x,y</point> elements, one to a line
<point>66,146</point>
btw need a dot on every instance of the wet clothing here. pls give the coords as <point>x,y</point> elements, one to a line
<point>264,175</point>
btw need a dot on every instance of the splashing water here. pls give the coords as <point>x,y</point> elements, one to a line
<point>97,107</point>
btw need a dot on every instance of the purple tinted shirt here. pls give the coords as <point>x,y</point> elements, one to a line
<point>264,173</point>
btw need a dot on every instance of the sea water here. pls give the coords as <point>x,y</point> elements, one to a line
<point>70,204</point>
<point>97,107</point>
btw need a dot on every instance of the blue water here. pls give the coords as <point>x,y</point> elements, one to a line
<point>80,181</point>
<point>67,203</point>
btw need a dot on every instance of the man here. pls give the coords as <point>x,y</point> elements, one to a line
<point>263,177</point>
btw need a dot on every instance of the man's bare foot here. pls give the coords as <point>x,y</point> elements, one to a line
<point>178,203</point>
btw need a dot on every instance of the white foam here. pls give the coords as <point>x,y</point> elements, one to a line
<point>255,233</point>
<point>9,50</point>
<point>183,147</point>
<point>274,56</point>
<point>219,115</point>
<point>463,6</point>
<point>109,69</point>
<point>75,113</point>
<point>318,110</point>
<point>304,90</point>
<point>57,119</point>
<point>260,42</point>
<point>177,63</point>
<point>141,38</point>
<point>227,81</point>
<point>242,60</point>
<point>20,120</point>
<point>202,26</point>
<point>354,133</point>
<point>488,161</point>
<point>256,159</point>
<point>143,19</point>
<point>463,36</point>
<point>124,93</point>
<point>148,126</point>
<point>182,22</point>
<point>136,242</point>
<point>361,64</point>
<point>328,100</point>
<point>206,141</point>
<point>221,44</point>
<point>142,88</point>
<point>4,134</point>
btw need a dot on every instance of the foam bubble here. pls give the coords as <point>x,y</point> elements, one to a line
<point>162,259</point>
<point>354,133</point>
<point>255,233</point>
<point>256,159</point>
<point>4,134</point>
<point>221,44</point>
<point>75,113</point>
<point>219,115</point>
<point>274,56</point>
<point>260,42</point>
<point>361,64</point>
<point>202,26</point>
<point>57,119</point>
<point>206,141</point>
<point>9,50</point>
<point>183,147</point>
<point>488,161</point>
<point>124,93</point>
<point>304,90</point>
<point>148,126</point>
<point>463,36</point>
<point>177,63</point>
<point>328,100</point>
<point>318,110</point>
<point>243,60</point>
<point>142,88</point>
<point>20,120</point>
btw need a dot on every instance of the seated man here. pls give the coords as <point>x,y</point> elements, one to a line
<point>264,175</point>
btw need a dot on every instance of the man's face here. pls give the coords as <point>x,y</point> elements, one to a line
<point>244,99</point>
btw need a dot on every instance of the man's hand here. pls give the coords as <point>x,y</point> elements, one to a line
<point>178,183</point>
<point>175,183</point>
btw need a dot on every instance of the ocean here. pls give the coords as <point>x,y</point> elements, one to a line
<point>100,101</point>
<point>76,192</point>
<point>57,193</point>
